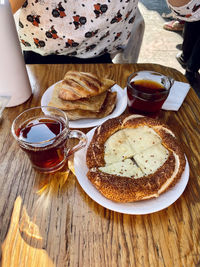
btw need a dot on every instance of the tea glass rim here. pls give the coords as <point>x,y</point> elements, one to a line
<point>165,92</point>
<point>66,128</point>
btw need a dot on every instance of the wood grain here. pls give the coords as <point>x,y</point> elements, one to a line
<point>79,231</point>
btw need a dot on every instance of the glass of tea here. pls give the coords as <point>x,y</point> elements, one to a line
<point>147,91</point>
<point>43,133</point>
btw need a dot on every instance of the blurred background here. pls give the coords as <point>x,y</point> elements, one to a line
<point>159,46</point>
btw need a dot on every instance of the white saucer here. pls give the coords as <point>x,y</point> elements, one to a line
<point>140,207</point>
<point>87,123</point>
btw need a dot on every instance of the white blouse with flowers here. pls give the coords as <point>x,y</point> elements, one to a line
<point>83,28</point>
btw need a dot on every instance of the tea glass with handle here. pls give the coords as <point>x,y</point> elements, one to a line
<point>147,91</point>
<point>43,133</point>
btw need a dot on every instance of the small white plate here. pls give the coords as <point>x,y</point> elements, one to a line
<point>87,123</point>
<point>140,207</point>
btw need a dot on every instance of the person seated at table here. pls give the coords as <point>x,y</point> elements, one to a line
<point>79,31</point>
<point>85,31</point>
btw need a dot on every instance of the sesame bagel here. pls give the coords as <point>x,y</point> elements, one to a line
<point>132,158</point>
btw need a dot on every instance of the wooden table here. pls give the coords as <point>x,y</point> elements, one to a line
<point>80,231</point>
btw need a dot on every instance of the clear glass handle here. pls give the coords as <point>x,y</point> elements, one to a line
<point>82,141</point>
<point>171,80</point>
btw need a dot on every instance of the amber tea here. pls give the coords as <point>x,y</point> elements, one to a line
<point>43,132</point>
<point>147,91</point>
<point>35,134</point>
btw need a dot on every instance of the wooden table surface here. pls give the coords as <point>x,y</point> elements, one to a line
<point>80,232</point>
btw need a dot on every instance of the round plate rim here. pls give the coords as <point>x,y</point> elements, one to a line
<point>168,198</point>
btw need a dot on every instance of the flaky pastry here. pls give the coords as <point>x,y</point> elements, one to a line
<point>106,108</point>
<point>93,103</point>
<point>77,85</point>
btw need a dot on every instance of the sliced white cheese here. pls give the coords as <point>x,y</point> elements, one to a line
<point>152,158</point>
<point>128,142</point>
<point>123,168</point>
<point>141,138</point>
<point>117,148</point>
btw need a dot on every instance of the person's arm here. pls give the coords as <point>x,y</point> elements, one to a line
<point>178,3</point>
<point>16,4</point>
<point>187,10</point>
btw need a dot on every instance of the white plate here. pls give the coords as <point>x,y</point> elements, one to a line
<point>140,207</point>
<point>86,123</point>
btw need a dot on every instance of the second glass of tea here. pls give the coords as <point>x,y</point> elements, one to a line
<point>147,91</point>
<point>43,132</point>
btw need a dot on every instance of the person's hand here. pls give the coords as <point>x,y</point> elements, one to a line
<point>178,3</point>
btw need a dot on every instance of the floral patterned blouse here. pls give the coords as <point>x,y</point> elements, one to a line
<point>83,28</point>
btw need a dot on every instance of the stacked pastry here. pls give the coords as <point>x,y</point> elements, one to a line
<point>84,95</point>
